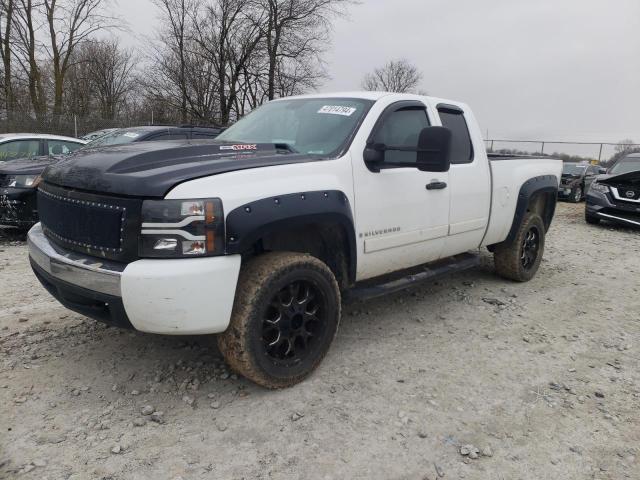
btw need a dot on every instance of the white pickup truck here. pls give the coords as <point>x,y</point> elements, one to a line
<point>258,235</point>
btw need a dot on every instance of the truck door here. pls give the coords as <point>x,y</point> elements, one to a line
<point>469,181</point>
<point>402,213</point>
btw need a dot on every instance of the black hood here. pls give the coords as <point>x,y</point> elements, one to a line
<point>151,169</point>
<point>630,178</point>
<point>27,166</point>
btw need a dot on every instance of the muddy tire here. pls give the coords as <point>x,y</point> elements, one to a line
<point>520,259</point>
<point>285,316</point>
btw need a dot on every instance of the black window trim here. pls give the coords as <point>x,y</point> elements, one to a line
<point>386,113</point>
<point>455,110</point>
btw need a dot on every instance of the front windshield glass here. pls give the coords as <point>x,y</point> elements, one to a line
<point>119,137</point>
<point>316,126</point>
<point>626,165</point>
<point>573,169</point>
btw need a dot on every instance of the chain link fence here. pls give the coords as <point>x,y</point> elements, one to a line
<point>596,152</point>
<point>76,125</point>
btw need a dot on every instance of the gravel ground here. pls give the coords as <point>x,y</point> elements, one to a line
<point>468,377</point>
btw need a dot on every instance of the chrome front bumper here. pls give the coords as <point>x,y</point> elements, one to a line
<point>73,268</point>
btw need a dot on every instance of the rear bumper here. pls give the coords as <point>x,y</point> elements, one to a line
<point>18,207</point>
<point>174,297</point>
<point>600,205</point>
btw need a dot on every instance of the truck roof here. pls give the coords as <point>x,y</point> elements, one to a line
<point>375,96</point>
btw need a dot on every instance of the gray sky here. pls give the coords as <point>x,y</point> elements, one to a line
<point>530,69</point>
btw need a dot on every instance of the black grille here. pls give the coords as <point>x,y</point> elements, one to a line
<point>100,225</point>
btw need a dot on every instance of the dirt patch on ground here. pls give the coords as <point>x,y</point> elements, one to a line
<point>469,377</point>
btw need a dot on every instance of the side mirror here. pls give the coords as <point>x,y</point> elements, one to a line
<point>434,149</point>
<point>374,155</point>
<point>602,171</point>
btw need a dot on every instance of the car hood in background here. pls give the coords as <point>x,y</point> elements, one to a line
<point>151,169</point>
<point>27,166</point>
<point>630,178</point>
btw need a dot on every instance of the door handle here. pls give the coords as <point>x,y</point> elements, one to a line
<point>436,186</point>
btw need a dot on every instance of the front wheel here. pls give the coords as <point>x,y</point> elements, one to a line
<point>520,259</point>
<point>285,316</point>
<point>576,195</point>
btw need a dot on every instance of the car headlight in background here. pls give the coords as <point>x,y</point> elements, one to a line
<point>599,187</point>
<point>182,228</point>
<point>23,181</point>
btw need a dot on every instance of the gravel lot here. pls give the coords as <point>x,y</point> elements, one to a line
<point>469,377</point>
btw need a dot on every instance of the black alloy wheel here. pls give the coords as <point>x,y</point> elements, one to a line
<point>530,248</point>
<point>293,321</point>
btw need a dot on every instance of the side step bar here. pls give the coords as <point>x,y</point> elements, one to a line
<point>370,289</point>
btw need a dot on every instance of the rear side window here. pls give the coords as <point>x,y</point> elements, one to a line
<point>461,146</point>
<point>58,147</point>
<point>402,129</point>
<point>19,149</point>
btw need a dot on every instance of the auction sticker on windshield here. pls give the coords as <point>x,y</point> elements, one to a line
<point>131,135</point>
<point>337,110</point>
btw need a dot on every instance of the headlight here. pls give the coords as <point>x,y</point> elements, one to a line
<point>182,228</point>
<point>23,181</point>
<point>599,187</point>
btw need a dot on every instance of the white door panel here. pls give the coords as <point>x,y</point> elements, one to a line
<point>399,222</point>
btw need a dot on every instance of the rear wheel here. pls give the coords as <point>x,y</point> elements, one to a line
<point>285,316</point>
<point>520,259</point>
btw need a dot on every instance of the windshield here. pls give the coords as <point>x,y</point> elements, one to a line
<point>317,126</point>
<point>118,137</point>
<point>573,169</point>
<point>626,165</point>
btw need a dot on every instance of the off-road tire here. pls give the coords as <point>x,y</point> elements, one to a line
<point>261,280</point>
<point>591,220</point>
<point>508,257</point>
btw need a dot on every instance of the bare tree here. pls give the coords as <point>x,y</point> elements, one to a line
<point>175,17</point>
<point>625,145</point>
<point>6,23</point>
<point>70,22</point>
<point>110,69</point>
<point>296,30</point>
<point>395,76</point>
<point>25,26</point>
<point>228,35</point>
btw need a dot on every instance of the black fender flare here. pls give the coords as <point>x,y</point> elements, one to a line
<point>530,188</point>
<point>249,223</point>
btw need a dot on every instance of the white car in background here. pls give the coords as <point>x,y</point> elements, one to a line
<point>26,145</point>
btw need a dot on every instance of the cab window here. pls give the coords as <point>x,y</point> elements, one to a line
<point>461,146</point>
<point>402,129</point>
<point>59,147</point>
<point>19,149</point>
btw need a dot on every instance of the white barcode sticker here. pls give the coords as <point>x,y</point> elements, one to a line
<point>337,110</point>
